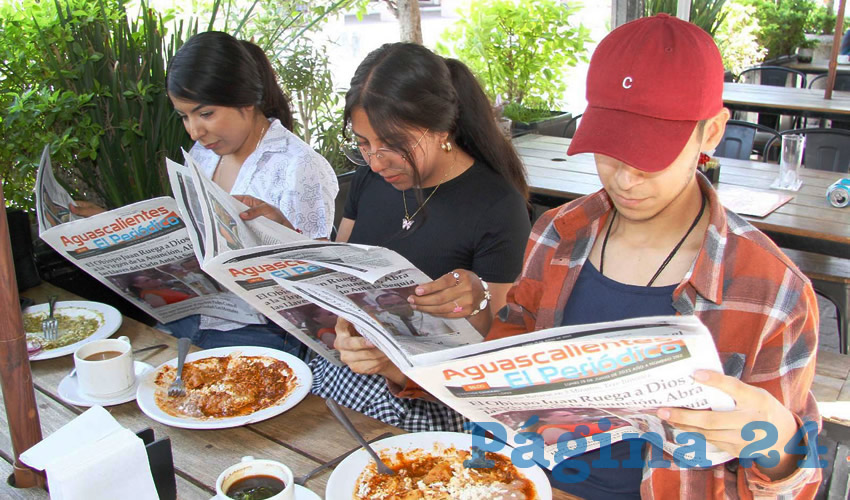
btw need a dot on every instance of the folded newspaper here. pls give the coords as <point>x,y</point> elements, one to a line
<point>574,386</point>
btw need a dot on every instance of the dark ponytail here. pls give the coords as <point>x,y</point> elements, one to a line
<point>400,85</point>
<point>217,69</point>
<point>275,102</point>
<point>478,135</point>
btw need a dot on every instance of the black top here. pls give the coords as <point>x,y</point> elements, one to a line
<point>476,221</point>
<point>597,298</point>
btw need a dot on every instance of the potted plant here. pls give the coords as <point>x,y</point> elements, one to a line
<point>781,25</point>
<point>820,26</point>
<point>520,52</point>
<point>806,50</point>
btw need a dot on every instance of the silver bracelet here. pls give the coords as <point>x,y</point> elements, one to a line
<point>483,304</point>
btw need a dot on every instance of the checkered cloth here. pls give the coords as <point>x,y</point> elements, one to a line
<point>369,395</point>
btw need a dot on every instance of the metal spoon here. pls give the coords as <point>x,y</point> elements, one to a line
<point>343,419</point>
<point>136,351</point>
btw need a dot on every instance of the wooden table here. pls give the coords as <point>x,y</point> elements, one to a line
<point>817,67</point>
<point>552,173</point>
<point>302,438</point>
<point>786,100</point>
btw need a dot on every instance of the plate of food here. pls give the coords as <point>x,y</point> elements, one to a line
<point>225,387</point>
<point>430,465</point>
<point>80,322</point>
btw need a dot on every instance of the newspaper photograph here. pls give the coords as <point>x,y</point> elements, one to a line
<point>141,251</point>
<point>573,384</point>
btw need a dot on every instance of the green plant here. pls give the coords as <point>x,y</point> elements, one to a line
<point>707,14</point>
<point>112,124</point>
<point>781,24</point>
<point>519,50</point>
<point>317,104</point>
<point>820,21</point>
<point>736,38</point>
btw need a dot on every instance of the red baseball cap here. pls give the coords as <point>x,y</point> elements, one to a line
<point>650,81</point>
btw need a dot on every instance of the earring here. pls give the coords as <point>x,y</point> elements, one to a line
<point>447,146</point>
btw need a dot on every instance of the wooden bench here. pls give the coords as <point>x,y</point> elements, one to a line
<point>831,278</point>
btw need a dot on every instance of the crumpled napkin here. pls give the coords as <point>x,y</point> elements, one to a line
<point>92,458</point>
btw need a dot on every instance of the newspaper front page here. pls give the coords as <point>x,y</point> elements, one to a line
<point>555,381</point>
<point>141,251</point>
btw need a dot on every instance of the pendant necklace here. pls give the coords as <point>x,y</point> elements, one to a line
<point>669,256</point>
<point>407,221</point>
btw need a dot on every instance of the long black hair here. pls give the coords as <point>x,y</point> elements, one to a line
<point>400,85</point>
<point>217,69</point>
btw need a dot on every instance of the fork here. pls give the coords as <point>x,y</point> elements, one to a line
<point>177,388</point>
<point>343,419</point>
<point>301,480</point>
<point>50,325</point>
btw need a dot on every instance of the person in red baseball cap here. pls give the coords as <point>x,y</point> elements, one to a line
<point>656,241</point>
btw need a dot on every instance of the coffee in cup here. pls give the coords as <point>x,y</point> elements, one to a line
<point>261,479</point>
<point>105,367</point>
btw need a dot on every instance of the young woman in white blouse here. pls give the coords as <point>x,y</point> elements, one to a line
<point>226,93</point>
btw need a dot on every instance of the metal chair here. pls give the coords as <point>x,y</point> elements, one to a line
<point>776,76</point>
<point>826,148</point>
<point>740,137</point>
<point>842,82</point>
<point>344,181</point>
<point>572,126</point>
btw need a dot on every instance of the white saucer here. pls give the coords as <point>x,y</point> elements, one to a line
<point>69,390</point>
<point>301,493</point>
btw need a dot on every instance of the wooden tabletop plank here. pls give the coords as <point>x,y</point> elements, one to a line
<point>769,98</point>
<point>312,418</point>
<point>551,172</point>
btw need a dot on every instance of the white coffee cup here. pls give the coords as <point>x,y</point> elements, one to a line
<point>107,377</point>
<point>251,467</point>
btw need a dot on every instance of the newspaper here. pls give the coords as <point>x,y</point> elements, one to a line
<point>609,377</point>
<point>554,381</point>
<point>272,267</point>
<point>141,251</point>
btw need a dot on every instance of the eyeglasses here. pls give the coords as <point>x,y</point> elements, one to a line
<point>359,155</point>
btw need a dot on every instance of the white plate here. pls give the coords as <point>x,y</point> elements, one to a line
<point>69,390</point>
<point>344,477</point>
<point>301,493</point>
<point>109,317</point>
<point>147,387</point>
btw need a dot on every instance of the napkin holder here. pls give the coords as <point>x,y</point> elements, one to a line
<point>161,463</point>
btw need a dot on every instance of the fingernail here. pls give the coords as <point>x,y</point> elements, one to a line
<point>410,299</point>
<point>665,414</point>
<point>700,376</point>
<point>420,291</point>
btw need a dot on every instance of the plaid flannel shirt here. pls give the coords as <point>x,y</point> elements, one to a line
<point>761,311</point>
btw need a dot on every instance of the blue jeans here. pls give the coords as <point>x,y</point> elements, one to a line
<point>267,335</point>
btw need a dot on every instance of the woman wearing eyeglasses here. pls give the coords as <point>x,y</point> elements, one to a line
<point>439,184</point>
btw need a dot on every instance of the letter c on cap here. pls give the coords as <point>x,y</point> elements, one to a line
<point>627,82</point>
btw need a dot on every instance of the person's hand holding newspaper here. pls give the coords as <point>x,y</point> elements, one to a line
<point>361,356</point>
<point>260,208</point>
<point>723,428</point>
<point>85,208</point>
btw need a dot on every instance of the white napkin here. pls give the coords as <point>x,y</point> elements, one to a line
<point>92,458</point>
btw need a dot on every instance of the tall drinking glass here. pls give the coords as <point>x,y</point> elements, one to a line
<point>789,163</point>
